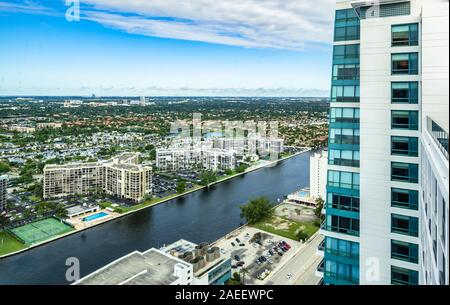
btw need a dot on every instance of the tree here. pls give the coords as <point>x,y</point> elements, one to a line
<point>241,168</point>
<point>4,167</point>
<point>60,211</point>
<point>207,177</point>
<point>256,210</point>
<point>243,272</point>
<point>319,206</point>
<point>181,187</point>
<point>302,235</point>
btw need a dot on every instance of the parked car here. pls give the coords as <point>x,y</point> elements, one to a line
<point>254,245</point>
<point>240,263</point>
<point>237,239</point>
<point>288,276</point>
<point>242,244</point>
<point>236,257</point>
<point>233,266</point>
<point>233,244</point>
<point>280,253</point>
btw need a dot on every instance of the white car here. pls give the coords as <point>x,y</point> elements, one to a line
<point>289,276</point>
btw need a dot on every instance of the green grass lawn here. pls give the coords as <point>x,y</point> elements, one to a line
<point>9,244</point>
<point>270,225</point>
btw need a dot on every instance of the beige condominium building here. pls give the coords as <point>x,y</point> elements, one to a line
<point>122,177</point>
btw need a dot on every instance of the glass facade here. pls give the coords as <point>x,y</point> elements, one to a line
<point>342,204</point>
<point>346,25</point>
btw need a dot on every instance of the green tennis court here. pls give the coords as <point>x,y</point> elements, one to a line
<point>40,230</point>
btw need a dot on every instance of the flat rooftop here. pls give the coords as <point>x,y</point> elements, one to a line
<point>137,268</point>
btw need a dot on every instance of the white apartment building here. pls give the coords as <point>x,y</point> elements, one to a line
<point>250,145</point>
<point>318,164</point>
<point>173,159</point>
<point>121,177</point>
<point>387,199</point>
<point>3,192</point>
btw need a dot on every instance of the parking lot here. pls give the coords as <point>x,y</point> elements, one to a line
<point>249,248</point>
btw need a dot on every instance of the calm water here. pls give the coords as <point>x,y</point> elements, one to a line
<point>205,215</point>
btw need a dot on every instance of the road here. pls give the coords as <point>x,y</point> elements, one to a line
<point>302,266</point>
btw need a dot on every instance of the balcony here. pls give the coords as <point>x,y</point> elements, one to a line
<point>320,268</point>
<point>439,136</point>
<point>321,248</point>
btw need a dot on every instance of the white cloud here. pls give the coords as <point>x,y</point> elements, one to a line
<point>285,24</point>
<point>27,7</point>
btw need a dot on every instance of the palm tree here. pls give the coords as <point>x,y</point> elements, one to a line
<point>243,272</point>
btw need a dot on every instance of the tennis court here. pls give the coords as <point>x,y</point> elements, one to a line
<point>40,230</point>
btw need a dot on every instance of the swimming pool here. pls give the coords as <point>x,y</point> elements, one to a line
<point>95,216</point>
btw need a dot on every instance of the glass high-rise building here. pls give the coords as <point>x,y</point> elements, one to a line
<point>387,205</point>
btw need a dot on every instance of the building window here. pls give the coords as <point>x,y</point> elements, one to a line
<point>405,35</point>
<point>349,52</point>
<point>347,136</point>
<point>344,225</point>
<point>345,94</point>
<point>401,198</point>
<point>403,119</point>
<point>405,92</point>
<point>344,115</point>
<point>404,251</point>
<point>405,63</point>
<point>402,276</point>
<point>404,172</point>
<point>346,72</point>
<point>341,247</point>
<point>404,146</point>
<point>341,272</point>
<point>346,25</point>
<point>405,225</point>
<point>343,179</point>
<point>342,202</point>
<point>343,157</point>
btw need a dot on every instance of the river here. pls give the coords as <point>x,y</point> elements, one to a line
<point>205,215</point>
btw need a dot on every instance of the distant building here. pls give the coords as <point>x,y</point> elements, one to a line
<point>72,103</point>
<point>3,188</point>
<point>121,177</point>
<point>318,164</point>
<point>181,263</point>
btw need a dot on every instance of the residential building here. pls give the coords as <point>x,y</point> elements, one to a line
<point>3,192</point>
<point>181,263</point>
<point>318,163</point>
<point>387,189</point>
<point>121,177</point>
<point>173,159</point>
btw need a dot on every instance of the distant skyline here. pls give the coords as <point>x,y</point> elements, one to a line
<point>166,48</point>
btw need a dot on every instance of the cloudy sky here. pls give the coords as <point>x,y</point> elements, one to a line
<point>166,47</point>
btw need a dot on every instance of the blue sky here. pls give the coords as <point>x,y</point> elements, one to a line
<point>166,47</point>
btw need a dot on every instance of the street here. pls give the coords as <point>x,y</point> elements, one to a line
<point>302,266</point>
